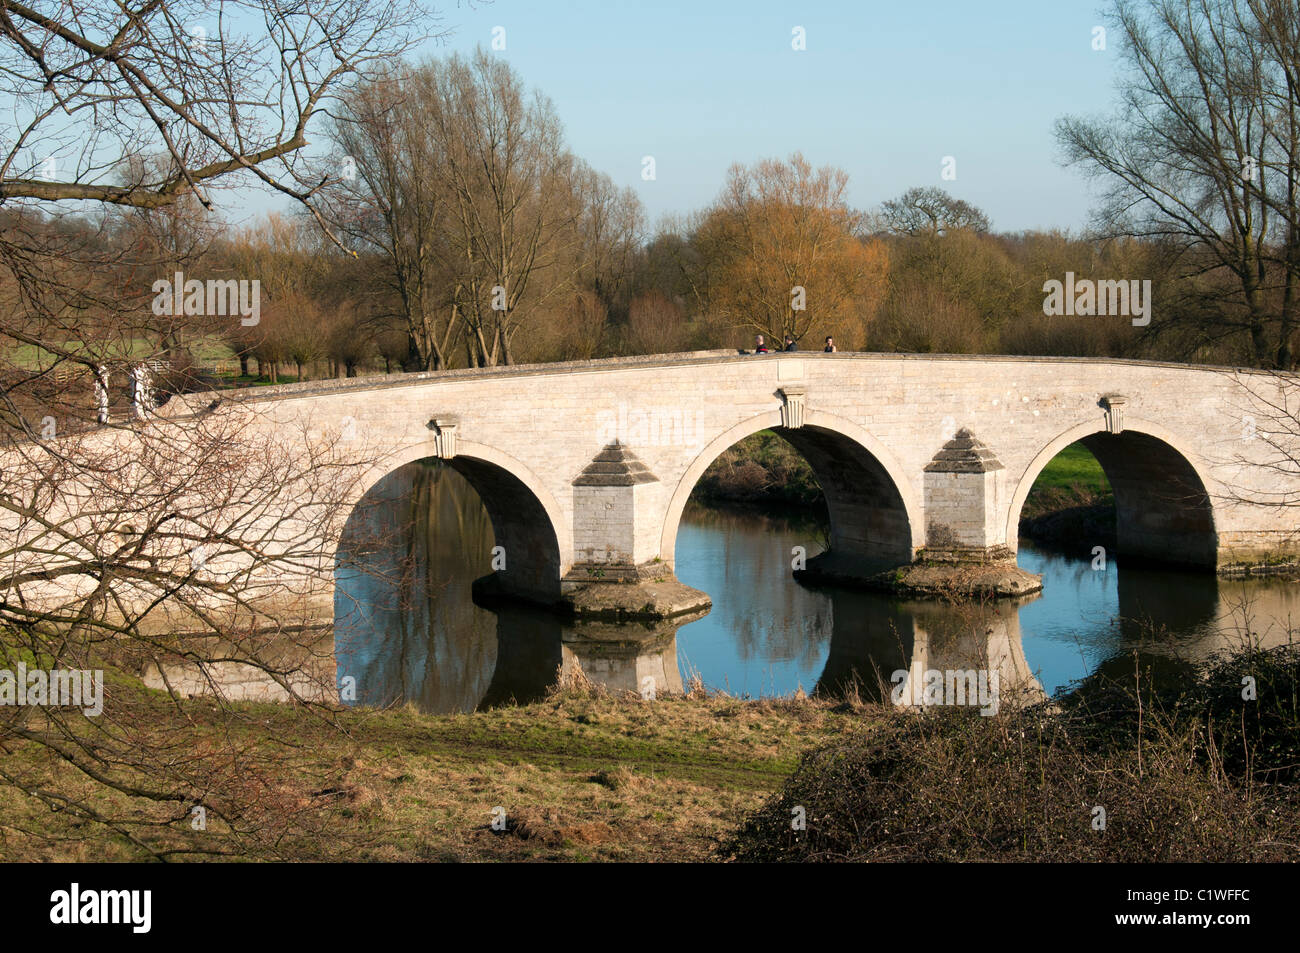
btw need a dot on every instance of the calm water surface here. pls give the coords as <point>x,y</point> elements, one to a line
<point>408,630</point>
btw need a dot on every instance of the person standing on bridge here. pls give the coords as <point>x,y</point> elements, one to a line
<point>830,345</point>
<point>790,345</point>
<point>760,346</point>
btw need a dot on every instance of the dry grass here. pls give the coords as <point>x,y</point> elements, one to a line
<point>1186,770</point>
<point>583,775</point>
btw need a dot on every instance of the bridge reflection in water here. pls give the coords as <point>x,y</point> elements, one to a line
<point>423,640</point>
<point>407,629</point>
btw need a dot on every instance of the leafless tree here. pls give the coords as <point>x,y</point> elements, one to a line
<point>215,86</point>
<point>1205,156</point>
<point>931,211</point>
<point>116,540</point>
<point>390,202</point>
<point>464,184</point>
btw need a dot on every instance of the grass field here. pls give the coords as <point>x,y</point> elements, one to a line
<point>1073,479</point>
<point>589,775</point>
<point>583,775</point>
<point>1074,466</point>
<point>205,350</point>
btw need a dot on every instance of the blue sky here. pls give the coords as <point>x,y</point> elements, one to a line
<point>884,90</point>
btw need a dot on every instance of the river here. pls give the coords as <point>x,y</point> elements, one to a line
<point>408,631</point>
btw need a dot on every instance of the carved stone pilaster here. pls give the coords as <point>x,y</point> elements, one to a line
<point>1114,404</point>
<point>444,435</point>
<point>793,405</point>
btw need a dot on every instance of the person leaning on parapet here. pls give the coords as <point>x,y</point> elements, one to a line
<point>789,344</point>
<point>830,345</point>
<point>760,346</point>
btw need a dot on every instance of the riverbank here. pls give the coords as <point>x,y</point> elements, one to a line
<point>582,775</point>
<point>1192,773</point>
<point>1070,507</point>
<point>762,472</point>
<point>1120,769</point>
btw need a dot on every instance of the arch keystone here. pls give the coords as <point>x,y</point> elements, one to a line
<point>793,405</point>
<point>444,435</point>
<point>1114,406</point>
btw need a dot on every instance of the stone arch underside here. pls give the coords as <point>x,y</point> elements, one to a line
<point>522,525</point>
<point>868,518</point>
<point>873,522</point>
<point>1163,512</point>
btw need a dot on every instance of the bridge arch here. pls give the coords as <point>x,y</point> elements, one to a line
<point>1163,508</point>
<point>526,521</point>
<point>873,508</point>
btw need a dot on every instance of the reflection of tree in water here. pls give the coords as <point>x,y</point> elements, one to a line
<point>749,566</point>
<point>407,627</point>
<point>1169,622</point>
<point>1161,610</point>
<point>527,657</point>
<point>801,523</point>
<point>1121,679</point>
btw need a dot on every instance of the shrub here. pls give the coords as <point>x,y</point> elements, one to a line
<point>1175,782</point>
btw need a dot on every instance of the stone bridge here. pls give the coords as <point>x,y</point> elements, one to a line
<point>585,468</point>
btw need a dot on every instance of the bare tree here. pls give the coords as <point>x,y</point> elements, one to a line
<point>655,325</point>
<point>215,86</point>
<point>1205,155</point>
<point>119,540</point>
<point>508,179</point>
<point>391,202</point>
<point>931,211</point>
<point>611,228</point>
<point>485,221</point>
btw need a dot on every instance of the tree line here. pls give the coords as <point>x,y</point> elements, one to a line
<point>461,231</point>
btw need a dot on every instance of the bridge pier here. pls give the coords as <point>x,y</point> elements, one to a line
<point>627,658</point>
<point>617,572</point>
<point>966,549</point>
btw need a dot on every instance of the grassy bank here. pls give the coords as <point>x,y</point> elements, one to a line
<point>1188,770</point>
<point>1070,506</point>
<point>1072,479</point>
<point>762,470</point>
<point>582,776</point>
